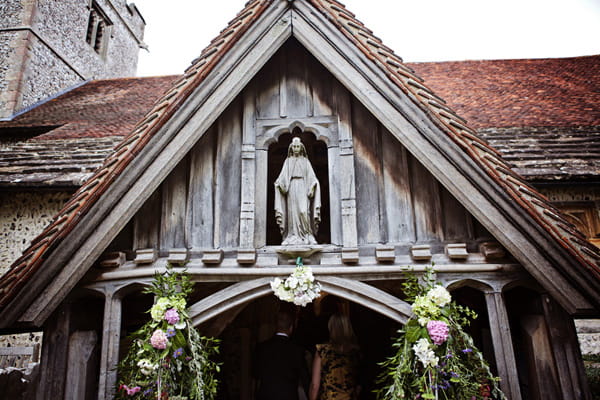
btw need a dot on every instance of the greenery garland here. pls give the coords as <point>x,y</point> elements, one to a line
<point>435,358</point>
<point>168,359</point>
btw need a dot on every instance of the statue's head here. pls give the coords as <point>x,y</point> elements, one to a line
<point>296,148</point>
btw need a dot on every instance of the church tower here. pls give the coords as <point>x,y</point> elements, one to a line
<point>47,46</point>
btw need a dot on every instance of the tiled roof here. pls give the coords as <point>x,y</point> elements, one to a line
<point>100,108</point>
<point>549,154</point>
<point>516,93</point>
<point>61,142</point>
<point>538,207</point>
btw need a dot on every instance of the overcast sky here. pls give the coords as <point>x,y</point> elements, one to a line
<point>417,30</point>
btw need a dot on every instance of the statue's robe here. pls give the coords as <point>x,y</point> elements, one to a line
<point>297,202</point>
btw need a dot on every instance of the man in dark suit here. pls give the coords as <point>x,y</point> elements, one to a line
<point>279,364</point>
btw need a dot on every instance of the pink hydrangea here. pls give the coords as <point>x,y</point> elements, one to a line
<point>159,340</point>
<point>438,331</point>
<point>131,391</point>
<point>172,316</point>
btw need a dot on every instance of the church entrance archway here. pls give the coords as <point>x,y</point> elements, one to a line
<point>254,322</point>
<point>243,314</point>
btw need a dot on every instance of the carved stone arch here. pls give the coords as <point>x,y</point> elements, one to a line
<point>355,291</point>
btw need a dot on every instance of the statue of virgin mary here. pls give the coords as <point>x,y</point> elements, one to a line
<point>297,198</point>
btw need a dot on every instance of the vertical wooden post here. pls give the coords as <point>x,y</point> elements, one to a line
<point>503,346</point>
<point>248,172</point>
<point>54,355</point>
<point>566,350</point>
<point>110,346</point>
<point>346,171</point>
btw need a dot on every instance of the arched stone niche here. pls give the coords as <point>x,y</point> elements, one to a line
<point>340,173</point>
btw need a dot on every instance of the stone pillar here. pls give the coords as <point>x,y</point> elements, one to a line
<point>110,346</point>
<point>503,346</point>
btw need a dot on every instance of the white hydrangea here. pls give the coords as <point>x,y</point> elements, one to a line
<point>439,296</point>
<point>424,353</point>
<point>146,367</point>
<point>299,288</point>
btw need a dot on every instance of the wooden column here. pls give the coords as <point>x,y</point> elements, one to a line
<point>346,173</point>
<point>110,346</point>
<point>503,346</point>
<point>566,351</point>
<point>54,355</point>
<point>248,172</point>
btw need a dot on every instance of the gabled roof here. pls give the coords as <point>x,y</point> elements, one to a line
<point>61,142</point>
<point>547,245</point>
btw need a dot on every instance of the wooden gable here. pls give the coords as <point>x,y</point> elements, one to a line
<point>398,202</point>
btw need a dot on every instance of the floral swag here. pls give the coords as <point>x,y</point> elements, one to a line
<point>168,359</point>
<point>435,357</point>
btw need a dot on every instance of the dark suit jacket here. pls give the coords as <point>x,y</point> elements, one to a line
<point>279,367</point>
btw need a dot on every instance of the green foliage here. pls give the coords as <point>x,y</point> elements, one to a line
<point>447,367</point>
<point>592,370</point>
<point>167,355</point>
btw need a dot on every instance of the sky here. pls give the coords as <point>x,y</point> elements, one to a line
<point>417,30</point>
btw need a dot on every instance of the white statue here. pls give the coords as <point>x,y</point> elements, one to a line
<point>297,198</point>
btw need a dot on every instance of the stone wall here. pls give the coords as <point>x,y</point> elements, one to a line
<point>23,215</point>
<point>12,13</point>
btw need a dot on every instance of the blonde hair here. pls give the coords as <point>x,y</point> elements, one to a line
<point>341,334</point>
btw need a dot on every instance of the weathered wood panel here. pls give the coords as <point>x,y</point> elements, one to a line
<point>228,166</point>
<point>267,98</point>
<point>426,203</point>
<point>200,207</point>
<point>396,187</point>
<point>147,222</point>
<point>321,82</point>
<point>456,221</point>
<point>174,199</point>
<point>368,172</point>
<point>294,84</point>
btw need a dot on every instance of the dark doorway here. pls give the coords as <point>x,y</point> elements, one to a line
<point>255,323</point>
<point>317,155</point>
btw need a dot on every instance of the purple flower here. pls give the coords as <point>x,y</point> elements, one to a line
<point>467,350</point>
<point>159,340</point>
<point>177,352</point>
<point>438,331</point>
<point>171,332</point>
<point>172,316</point>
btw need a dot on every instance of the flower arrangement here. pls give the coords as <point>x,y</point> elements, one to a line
<point>435,357</point>
<point>168,359</point>
<point>299,288</point>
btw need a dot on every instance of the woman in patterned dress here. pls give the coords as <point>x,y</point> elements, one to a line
<point>335,374</point>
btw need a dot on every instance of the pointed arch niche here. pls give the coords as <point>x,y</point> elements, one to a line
<point>327,154</point>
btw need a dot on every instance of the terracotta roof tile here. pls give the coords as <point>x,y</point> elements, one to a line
<point>515,93</point>
<point>100,108</point>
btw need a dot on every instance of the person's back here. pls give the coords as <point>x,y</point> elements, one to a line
<point>279,365</point>
<point>336,364</point>
<point>339,372</point>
